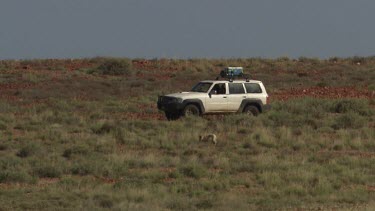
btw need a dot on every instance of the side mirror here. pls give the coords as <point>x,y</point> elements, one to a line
<point>209,94</point>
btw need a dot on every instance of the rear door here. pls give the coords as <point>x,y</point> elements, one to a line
<point>235,96</point>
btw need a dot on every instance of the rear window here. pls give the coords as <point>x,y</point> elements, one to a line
<point>236,88</point>
<point>253,88</point>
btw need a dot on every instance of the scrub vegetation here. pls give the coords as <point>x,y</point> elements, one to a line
<point>86,134</point>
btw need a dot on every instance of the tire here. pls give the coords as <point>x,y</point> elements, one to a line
<point>251,110</point>
<point>172,116</point>
<point>191,110</point>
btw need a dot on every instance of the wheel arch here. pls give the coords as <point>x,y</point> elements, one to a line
<point>196,102</point>
<point>254,102</point>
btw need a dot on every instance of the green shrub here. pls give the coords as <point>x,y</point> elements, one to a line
<point>204,204</point>
<point>28,150</point>
<point>194,171</point>
<point>103,201</point>
<point>102,128</point>
<point>14,176</point>
<point>82,168</point>
<point>48,171</point>
<point>353,105</point>
<point>76,150</point>
<point>280,118</point>
<point>106,147</point>
<point>349,120</point>
<point>115,66</point>
<point>3,125</point>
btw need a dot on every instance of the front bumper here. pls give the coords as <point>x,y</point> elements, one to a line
<point>168,106</point>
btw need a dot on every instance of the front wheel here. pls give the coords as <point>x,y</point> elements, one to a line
<point>251,110</point>
<point>191,110</point>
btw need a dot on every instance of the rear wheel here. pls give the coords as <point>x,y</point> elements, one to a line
<point>251,110</point>
<point>191,110</point>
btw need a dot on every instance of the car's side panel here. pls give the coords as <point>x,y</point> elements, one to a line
<point>234,100</point>
<point>216,103</point>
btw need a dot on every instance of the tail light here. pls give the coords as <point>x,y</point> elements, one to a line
<point>267,100</point>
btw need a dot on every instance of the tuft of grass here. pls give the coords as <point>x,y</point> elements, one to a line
<point>193,170</point>
<point>28,150</point>
<point>76,150</point>
<point>104,201</point>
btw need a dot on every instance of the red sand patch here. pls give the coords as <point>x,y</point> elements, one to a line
<point>324,92</point>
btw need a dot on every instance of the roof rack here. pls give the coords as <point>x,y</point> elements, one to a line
<point>231,73</point>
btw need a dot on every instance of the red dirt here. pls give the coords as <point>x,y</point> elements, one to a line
<point>9,86</point>
<point>323,92</point>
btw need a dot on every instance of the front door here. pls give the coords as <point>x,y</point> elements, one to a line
<point>217,100</point>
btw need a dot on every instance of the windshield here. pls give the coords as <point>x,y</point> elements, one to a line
<point>201,87</point>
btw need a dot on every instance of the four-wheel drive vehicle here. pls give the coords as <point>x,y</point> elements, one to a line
<point>216,96</point>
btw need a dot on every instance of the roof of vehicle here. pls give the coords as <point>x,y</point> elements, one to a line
<point>234,81</point>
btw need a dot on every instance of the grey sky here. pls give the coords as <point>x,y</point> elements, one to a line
<point>186,29</point>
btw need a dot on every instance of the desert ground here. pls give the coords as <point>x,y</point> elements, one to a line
<point>86,134</point>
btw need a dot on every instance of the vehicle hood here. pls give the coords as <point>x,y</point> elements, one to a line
<point>188,95</point>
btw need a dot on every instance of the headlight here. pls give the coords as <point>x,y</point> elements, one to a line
<point>177,100</point>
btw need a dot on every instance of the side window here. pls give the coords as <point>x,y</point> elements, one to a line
<point>236,88</point>
<point>219,89</point>
<point>253,88</point>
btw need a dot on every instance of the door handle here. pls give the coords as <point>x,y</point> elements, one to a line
<point>225,97</point>
<point>244,97</point>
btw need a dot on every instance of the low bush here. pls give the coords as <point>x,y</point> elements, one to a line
<point>76,150</point>
<point>351,105</point>
<point>194,171</point>
<point>115,66</point>
<point>15,176</point>
<point>103,201</point>
<point>82,168</point>
<point>48,171</point>
<point>349,120</point>
<point>3,125</point>
<point>28,150</point>
<point>103,127</point>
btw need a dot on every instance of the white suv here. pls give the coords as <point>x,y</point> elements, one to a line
<point>216,96</point>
